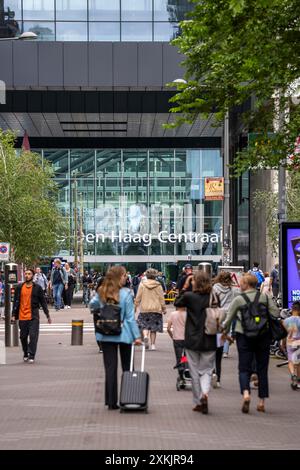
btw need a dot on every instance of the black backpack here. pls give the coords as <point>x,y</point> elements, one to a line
<point>108,320</point>
<point>135,281</point>
<point>254,317</point>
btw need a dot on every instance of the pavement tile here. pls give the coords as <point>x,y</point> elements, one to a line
<point>58,403</point>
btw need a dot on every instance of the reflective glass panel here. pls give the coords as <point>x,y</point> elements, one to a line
<point>104,31</point>
<point>171,10</point>
<point>82,163</point>
<point>66,31</point>
<point>75,10</point>
<point>165,31</point>
<point>44,31</point>
<point>38,9</point>
<point>136,31</point>
<point>136,10</point>
<point>102,10</point>
<point>63,196</point>
<point>59,160</point>
<point>12,9</point>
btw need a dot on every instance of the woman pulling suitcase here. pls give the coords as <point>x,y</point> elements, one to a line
<point>113,292</point>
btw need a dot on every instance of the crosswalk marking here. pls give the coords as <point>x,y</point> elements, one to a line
<point>63,327</point>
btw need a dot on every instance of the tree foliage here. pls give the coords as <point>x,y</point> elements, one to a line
<point>29,218</point>
<point>236,50</point>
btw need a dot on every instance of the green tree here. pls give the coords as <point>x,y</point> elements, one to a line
<point>29,218</point>
<point>236,50</point>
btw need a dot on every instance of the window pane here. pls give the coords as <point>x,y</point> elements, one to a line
<point>71,10</point>
<point>12,9</point>
<point>136,31</point>
<point>136,10</point>
<point>38,10</point>
<point>71,31</point>
<point>104,31</point>
<point>102,10</point>
<point>171,10</point>
<point>165,31</point>
<point>59,160</point>
<point>44,31</point>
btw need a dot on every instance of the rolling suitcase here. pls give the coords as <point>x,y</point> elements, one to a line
<point>134,386</point>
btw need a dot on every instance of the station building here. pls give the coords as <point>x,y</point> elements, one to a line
<point>91,94</point>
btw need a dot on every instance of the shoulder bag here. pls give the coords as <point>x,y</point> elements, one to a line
<point>277,330</point>
<point>214,316</point>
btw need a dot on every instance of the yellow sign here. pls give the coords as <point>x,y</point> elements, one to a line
<point>214,189</point>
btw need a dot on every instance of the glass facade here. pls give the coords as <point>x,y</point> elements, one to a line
<point>140,201</point>
<point>95,20</point>
<point>242,216</point>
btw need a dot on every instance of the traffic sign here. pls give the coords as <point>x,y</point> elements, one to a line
<point>4,251</point>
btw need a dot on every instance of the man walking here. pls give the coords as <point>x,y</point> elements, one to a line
<point>255,271</point>
<point>275,280</point>
<point>58,281</point>
<point>28,298</point>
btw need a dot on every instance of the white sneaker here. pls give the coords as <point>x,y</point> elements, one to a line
<point>153,348</point>
<point>31,361</point>
<point>68,306</point>
<point>214,381</point>
<point>225,356</point>
<point>218,385</point>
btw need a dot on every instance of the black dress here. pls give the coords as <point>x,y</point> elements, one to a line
<point>195,337</point>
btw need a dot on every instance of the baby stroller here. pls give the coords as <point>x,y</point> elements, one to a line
<point>184,380</point>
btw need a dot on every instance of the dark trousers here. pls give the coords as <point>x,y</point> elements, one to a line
<point>258,349</point>
<point>110,358</point>
<point>68,295</point>
<point>178,349</point>
<point>29,329</point>
<point>219,355</point>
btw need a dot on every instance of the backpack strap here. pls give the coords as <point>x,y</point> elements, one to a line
<point>245,297</point>
<point>256,299</point>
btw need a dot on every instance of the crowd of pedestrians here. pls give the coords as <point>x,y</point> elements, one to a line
<point>139,304</point>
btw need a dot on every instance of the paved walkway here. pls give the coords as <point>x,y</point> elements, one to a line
<point>57,403</point>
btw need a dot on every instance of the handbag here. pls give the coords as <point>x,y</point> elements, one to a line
<point>277,330</point>
<point>215,315</point>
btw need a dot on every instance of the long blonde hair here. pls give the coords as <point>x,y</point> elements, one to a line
<point>109,291</point>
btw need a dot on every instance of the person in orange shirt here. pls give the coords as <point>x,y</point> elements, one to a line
<point>27,300</point>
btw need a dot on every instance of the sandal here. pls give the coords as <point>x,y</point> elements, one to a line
<point>261,408</point>
<point>246,405</point>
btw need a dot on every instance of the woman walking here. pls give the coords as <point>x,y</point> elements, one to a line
<point>223,289</point>
<point>68,293</point>
<point>250,348</point>
<point>200,347</point>
<point>150,298</point>
<point>112,291</point>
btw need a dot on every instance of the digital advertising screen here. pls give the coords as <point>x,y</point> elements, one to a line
<point>290,254</point>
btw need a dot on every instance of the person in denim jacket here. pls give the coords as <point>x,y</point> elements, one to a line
<point>112,291</point>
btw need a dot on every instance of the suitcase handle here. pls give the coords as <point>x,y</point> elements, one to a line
<point>132,357</point>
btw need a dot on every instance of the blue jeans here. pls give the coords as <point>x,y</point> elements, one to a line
<point>57,293</point>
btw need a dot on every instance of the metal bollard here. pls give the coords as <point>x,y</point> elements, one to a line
<point>2,353</point>
<point>77,333</point>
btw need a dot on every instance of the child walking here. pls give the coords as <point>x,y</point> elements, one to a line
<point>292,325</point>
<point>175,328</point>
